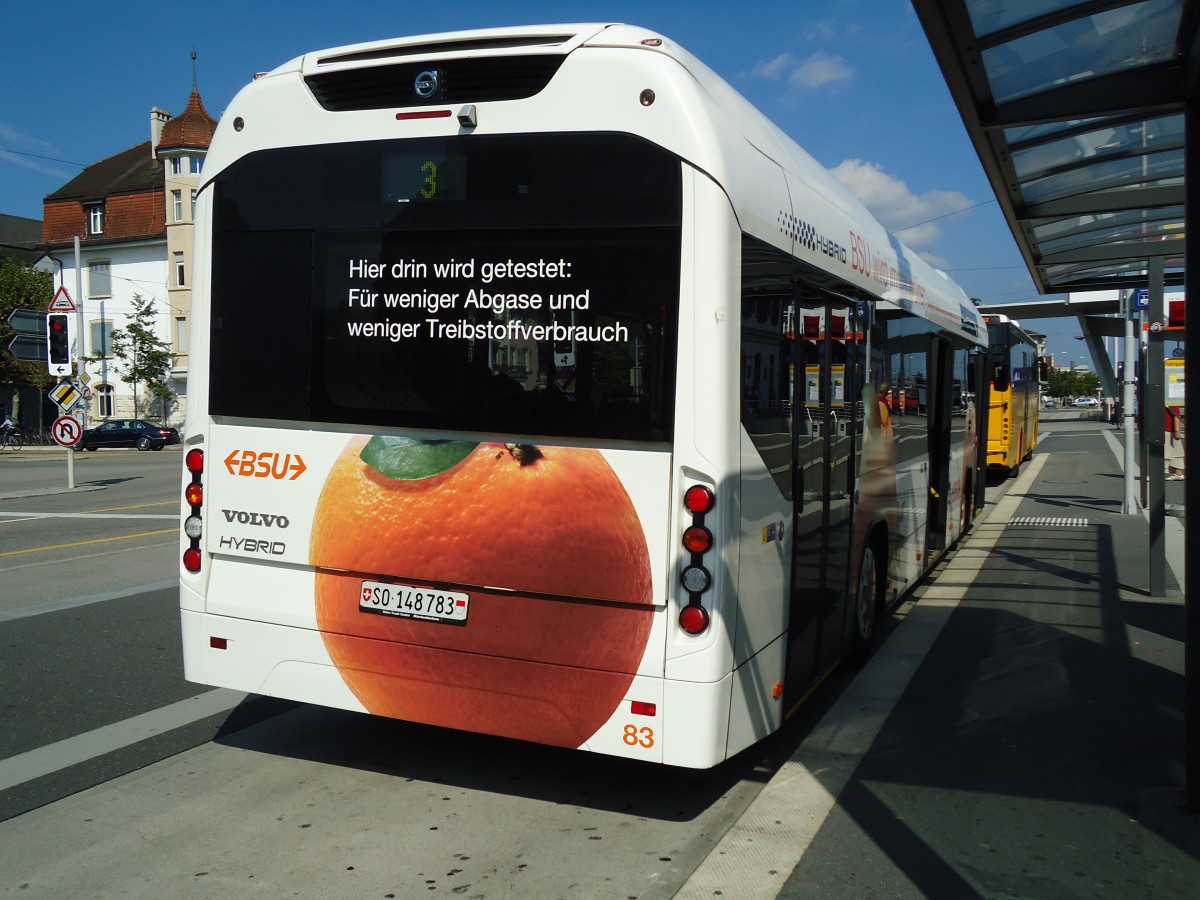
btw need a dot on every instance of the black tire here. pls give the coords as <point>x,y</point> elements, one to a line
<point>143,443</point>
<point>866,605</point>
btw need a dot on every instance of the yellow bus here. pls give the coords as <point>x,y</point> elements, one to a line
<point>1014,394</point>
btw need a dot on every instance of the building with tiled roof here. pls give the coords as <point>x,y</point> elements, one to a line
<point>181,148</point>
<point>191,129</point>
<point>20,238</point>
<point>132,213</point>
<point>116,199</point>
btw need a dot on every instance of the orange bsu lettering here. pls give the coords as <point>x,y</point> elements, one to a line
<point>264,464</point>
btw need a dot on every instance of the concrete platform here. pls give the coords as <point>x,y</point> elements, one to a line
<point>1019,735</point>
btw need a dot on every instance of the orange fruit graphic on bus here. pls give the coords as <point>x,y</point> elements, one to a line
<point>546,544</point>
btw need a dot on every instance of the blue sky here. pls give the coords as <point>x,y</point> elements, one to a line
<point>852,81</point>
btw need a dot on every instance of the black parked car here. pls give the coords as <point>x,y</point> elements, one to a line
<point>128,433</point>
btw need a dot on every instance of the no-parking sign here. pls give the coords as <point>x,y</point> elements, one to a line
<point>66,431</point>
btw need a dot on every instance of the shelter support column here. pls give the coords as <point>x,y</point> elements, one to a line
<point>1191,591</point>
<point>1153,435</point>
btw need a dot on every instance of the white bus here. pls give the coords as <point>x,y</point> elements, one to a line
<point>541,387</point>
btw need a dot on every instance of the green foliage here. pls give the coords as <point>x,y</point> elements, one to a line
<point>141,357</point>
<point>21,287</point>
<point>1062,383</point>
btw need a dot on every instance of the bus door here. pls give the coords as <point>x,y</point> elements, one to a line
<point>982,381</point>
<point>825,438</point>
<point>940,408</point>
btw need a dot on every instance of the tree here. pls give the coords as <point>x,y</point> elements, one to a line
<point>142,358</point>
<point>1064,383</point>
<point>21,287</point>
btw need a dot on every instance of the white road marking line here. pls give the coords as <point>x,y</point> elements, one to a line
<point>57,756</point>
<point>71,602</point>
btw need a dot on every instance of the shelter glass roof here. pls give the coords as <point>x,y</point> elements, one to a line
<point>1076,112</point>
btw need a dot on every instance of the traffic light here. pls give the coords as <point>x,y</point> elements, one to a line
<point>58,340</point>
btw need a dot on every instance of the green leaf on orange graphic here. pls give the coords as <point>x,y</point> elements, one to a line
<point>410,459</point>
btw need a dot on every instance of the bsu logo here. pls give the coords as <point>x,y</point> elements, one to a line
<point>265,464</point>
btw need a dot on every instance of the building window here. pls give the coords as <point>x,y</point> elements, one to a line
<point>181,335</point>
<point>101,335</point>
<point>176,165</point>
<point>104,401</point>
<point>193,206</point>
<point>99,278</point>
<point>180,281</point>
<point>194,164</point>
<point>95,217</point>
<point>177,205</point>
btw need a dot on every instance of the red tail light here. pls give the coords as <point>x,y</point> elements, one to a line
<point>193,525</point>
<point>697,539</point>
<point>699,499</point>
<point>693,618</point>
<point>696,579</point>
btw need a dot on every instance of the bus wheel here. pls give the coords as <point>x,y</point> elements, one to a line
<point>867,600</point>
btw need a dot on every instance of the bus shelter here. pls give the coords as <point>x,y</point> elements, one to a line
<point>1086,118</point>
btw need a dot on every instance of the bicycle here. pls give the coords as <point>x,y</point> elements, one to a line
<point>13,438</point>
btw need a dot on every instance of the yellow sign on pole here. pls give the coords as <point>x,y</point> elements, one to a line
<point>66,395</point>
<point>1174,382</point>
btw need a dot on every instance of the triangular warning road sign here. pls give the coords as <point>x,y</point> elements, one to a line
<point>62,302</point>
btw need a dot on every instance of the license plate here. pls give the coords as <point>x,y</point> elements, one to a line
<point>407,602</point>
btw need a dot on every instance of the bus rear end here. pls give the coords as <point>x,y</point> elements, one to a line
<point>429,446</point>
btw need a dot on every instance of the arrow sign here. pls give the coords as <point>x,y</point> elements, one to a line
<point>28,348</point>
<point>29,322</point>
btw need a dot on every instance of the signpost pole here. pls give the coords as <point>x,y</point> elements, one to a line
<point>80,361</point>
<point>71,468</point>
<point>1129,505</point>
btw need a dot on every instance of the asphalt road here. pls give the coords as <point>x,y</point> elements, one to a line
<point>117,777</point>
<point>98,725</point>
<point>89,622</point>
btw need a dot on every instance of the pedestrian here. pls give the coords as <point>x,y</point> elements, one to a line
<point>1116,414</point>
<point>1173,443</point>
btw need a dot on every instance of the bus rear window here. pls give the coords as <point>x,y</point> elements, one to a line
<point>516,284</point>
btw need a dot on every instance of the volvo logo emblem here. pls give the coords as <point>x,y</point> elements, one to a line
<point>426,84</point>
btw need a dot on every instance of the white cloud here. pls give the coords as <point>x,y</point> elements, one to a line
<point>806,74</point>
<point>935,260</point>
<point>31,153</point>
<point>819,69</point>
<point>774,69</point>
<point>894,203</point>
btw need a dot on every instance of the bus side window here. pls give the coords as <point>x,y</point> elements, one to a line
<point>1000,376</point>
